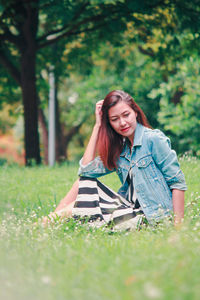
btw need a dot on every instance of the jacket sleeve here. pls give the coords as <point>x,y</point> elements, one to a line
<point>166,160</point>
<point>93,169</point>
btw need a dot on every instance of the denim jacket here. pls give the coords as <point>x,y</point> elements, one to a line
<point>155,171</point>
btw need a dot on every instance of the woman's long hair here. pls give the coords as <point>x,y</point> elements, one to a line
<point>110,143</point>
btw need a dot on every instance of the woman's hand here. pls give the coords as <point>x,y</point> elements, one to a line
<point>98,112</point>
<point>65,212</point>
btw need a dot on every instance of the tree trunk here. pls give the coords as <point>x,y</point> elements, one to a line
<point>28,84</point>
<point>60,139</point>
<point>44,134</point>
<point>28,80</point>
<point>68,137</point>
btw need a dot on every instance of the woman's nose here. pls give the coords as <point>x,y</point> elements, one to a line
<point>122,122</point>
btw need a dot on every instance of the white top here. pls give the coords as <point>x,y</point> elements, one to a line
<point>131,191</point>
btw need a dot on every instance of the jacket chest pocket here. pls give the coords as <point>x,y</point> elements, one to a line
<point>147,166</point>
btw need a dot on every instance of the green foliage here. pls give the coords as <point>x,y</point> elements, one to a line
<point>9,90</point>
<point>114,68</point>
<point>3,161</point>
<point>96,46</point>
<point>71,261</point>
<point>180,105</point>
<point>8,116</point>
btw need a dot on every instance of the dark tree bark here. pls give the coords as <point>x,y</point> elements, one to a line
<point>28,82</point>
<point>28,79</point>
<point>44,134</point>
<point>60,139</point>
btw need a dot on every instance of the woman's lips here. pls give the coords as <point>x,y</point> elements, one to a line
<point>125,129</point>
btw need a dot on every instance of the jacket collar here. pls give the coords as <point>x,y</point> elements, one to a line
<point>139,131</point>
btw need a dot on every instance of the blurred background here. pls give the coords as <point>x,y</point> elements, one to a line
<point>74,52</point>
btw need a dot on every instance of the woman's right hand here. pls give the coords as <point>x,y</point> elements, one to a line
<point>98,112</point>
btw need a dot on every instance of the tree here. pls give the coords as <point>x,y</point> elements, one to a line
<point>27,26</point>
<point>22,18</point>
<point>23,34</point>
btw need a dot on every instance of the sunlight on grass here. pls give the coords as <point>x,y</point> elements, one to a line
<point>72,261</point>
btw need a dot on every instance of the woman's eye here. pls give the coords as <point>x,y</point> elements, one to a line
<point>113,120</point>
<point>126,115</point>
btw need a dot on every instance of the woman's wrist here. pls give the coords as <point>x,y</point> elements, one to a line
<point>97,126</point>
<point>90,151</point>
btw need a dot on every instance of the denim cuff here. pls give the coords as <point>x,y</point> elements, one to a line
<point>179,183</point>
<point>85,168</point>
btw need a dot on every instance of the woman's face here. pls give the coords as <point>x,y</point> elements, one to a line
<point>123,120</point>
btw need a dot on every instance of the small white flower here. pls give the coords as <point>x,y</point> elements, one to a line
<point>151,291</point>
<point>46,279</point>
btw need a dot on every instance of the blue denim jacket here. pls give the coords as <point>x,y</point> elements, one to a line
<point>155,171</point>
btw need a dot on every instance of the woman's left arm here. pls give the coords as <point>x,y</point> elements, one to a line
<point>167,161</point>
<point>178,206</point>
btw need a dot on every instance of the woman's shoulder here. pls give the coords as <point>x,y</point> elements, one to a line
<point>154,133</point>
<point>155,136</point>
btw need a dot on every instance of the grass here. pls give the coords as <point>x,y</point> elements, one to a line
<point>70,261</point>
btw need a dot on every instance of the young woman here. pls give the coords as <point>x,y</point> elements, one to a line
<point>152,183</point>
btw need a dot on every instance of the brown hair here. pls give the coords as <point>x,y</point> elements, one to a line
<point>110,143</point>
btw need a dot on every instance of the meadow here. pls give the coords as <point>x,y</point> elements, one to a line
<point>68,260</point>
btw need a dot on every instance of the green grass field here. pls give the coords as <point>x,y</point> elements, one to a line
<point>70,261</point>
